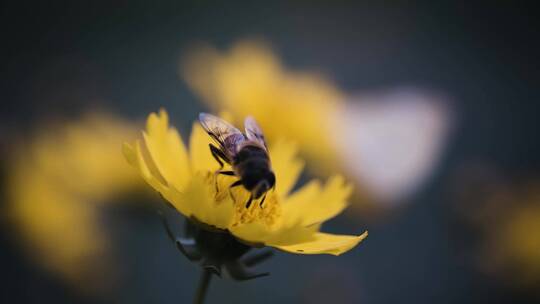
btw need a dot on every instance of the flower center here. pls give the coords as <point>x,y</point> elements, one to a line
<point>266,212</point>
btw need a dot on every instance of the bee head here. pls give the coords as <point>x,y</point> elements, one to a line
<point>267,182</point>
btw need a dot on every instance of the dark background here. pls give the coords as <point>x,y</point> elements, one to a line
<point>62,58</point>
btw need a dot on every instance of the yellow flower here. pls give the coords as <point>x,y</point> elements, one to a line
<point>288,220</point>
<point>57,181</point>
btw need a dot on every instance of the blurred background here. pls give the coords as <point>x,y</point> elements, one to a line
<point>430,109</point>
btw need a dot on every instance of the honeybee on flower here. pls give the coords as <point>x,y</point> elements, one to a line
<point>247,154</point>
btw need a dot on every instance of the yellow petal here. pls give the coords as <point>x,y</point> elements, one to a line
<point>325,243</point>
<point>201,157</point>
<point>167,150</point>
<point>259,233</point>
<point>135,157</point>
<point>285,165</point>
<point>129,154</point>
<point>191,196</point>
<point>200,197</point>
<point>315,204</point>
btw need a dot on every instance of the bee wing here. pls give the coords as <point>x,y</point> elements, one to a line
<point>226,135</point>
<point>254,131</point>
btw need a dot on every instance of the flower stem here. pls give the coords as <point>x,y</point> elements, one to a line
<point>203,286</point>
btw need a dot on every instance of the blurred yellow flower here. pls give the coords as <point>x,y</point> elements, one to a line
<point>521,232</point>
<point>503,212</point>
<point>388,142</point>
<point>250,80</point>
<point>287,221</point>
<point>512,244</point>
<point>56,182</point>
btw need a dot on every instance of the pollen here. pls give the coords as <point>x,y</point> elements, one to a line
<point>267,212</point>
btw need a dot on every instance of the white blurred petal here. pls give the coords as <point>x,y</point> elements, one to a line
<point>391,141</point>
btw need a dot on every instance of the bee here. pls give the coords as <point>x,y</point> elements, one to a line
<point>246,153</point>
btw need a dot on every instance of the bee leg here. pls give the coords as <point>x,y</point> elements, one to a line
<point>262,201</point>
<point>229,173</point>
<point>250,200</point>
<point>218,155</point>
<point>235,184</point>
